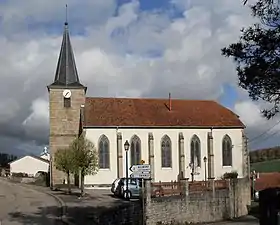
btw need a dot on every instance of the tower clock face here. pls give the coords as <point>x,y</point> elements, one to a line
<point>66,93</point>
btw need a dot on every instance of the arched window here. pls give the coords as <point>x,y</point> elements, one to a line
<point>135,150</point>
<point>166,152</point>
<point>195,151</point>
<point>104,152</point>
<point>227,151</point>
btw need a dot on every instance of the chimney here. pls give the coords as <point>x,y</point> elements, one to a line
<point>170,105</point>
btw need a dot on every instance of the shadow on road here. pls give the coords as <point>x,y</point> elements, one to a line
<point>44,216</point>
<point>127,213</point>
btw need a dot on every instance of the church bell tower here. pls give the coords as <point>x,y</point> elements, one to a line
<point>66,95</point>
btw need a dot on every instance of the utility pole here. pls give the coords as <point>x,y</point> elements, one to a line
<point>248,157</point>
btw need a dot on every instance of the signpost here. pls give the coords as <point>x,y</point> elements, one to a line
<point>141,171</point>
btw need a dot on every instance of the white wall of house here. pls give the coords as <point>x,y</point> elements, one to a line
<point>107,176</point>
<point>28,165</point>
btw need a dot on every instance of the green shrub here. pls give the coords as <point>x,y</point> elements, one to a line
<point>42,179</point>
<point>19,175</point>
<point>230,175</point>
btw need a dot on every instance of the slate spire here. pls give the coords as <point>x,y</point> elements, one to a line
<point>66,74</point>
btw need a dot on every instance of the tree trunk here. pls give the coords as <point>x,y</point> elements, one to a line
<point>82,184</point>
<point>68,182</point>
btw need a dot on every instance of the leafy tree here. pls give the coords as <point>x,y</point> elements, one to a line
<point>271,154</point>
<point>253,157</point>
<point>257,55</point>
<point>5,159</point>
<point>86,158</point>
<point>259,156</point>
<point>64,161</point>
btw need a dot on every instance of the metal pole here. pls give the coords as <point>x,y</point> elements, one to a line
<point>253,185</point>
<point>205,172</point>
<point>143,202</point>
<point>192,172</point>
<point>51,173</point>
<point>126,156</point>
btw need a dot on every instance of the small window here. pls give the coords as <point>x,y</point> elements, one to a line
<point>103,152</point>
<point>227,151</point>
<point>135,150</point>
<point>67,102</point>
<point>166,152</point>
<point>195,151</point>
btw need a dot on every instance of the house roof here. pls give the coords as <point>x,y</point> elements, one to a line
<point>267,180</point>
<point>155,112</point>
<point>66,73</point>
<point>33,156</point>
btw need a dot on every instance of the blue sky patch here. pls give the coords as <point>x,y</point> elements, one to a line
<point>229,97</point>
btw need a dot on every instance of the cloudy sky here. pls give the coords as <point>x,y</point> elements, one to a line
<point>124,48</point>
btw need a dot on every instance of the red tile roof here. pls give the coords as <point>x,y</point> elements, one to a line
<point>267,180</point>
<point>155,112</point>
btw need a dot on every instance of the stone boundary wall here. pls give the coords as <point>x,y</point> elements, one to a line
<point>199,207</point>
<point>208,206</point>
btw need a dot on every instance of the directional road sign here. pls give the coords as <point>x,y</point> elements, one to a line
<point>140,168</point>
<point>141,175</point>
<point>141,171</point>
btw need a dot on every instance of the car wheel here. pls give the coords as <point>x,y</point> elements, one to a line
<point>121,191</point>
<point>127,195</point>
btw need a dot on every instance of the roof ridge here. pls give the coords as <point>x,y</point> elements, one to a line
<point>147,98</point>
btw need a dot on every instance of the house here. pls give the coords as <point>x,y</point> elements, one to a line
<point>196,139</point>
<point>30,165</point>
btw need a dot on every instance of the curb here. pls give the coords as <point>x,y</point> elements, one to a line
<point>63,207</point>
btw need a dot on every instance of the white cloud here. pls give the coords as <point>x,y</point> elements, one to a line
<point>249,112</point>
<point>134,54</point>
<point>36,123</point>
<point>260,131</point>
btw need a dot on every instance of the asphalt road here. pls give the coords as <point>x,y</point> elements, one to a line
<point>20,205</point>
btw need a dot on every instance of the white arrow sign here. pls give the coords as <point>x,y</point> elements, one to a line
<point>141,175</point>
<point>140,168</point>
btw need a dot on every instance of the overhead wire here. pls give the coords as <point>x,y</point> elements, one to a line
<point>257,138</point>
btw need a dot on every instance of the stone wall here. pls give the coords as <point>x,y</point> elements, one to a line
<point>208,206</point>
<point>200,207</point>
<point>240,197</point>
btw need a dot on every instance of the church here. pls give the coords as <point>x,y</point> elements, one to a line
<point>195,139</point>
